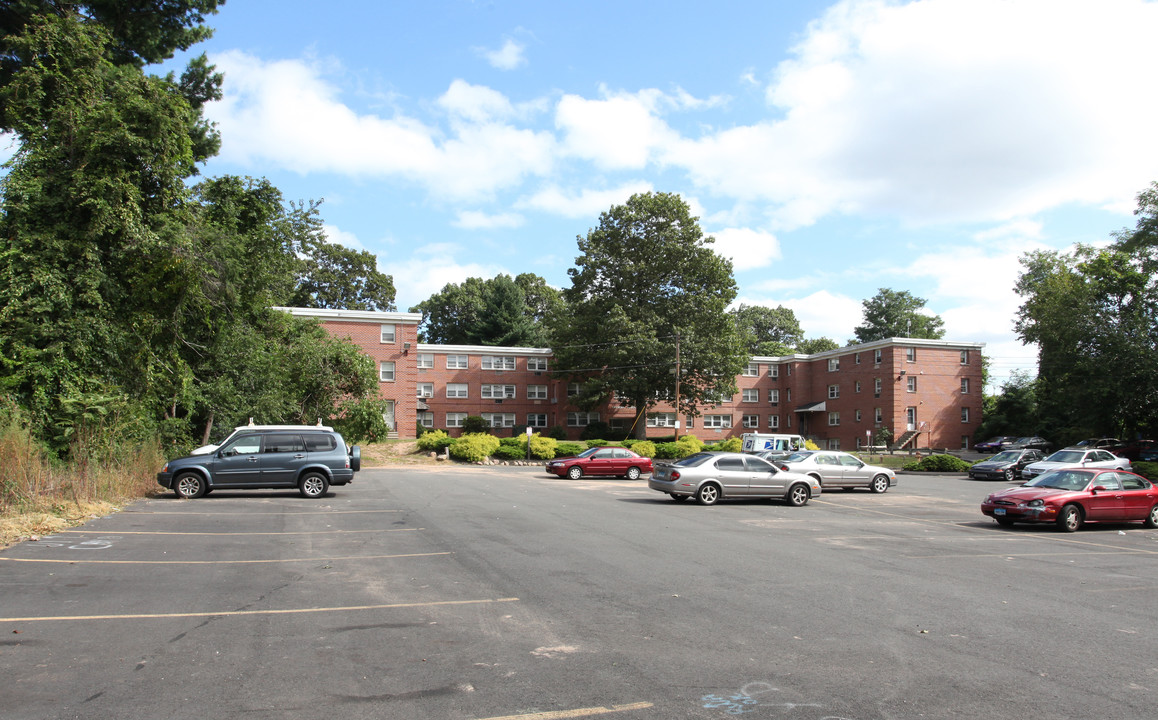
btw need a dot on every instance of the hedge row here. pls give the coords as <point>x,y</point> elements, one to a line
<point>473,447</point>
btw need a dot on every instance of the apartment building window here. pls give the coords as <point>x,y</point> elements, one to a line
<point>833,444</point>
<point>787,421</point>
<point>964,414</point>
<point>833,392</point>
<point>964,386</point>
<point>910,354</point>
<point>661,420</point>
<point>858,415</point>
<point>788,370</point>
<point>455,419</point>
<point>456,362</point>
<point>877,387</point>
<point>717,421</point>
<point>856,358</point>
<point>751,395</point>
<point>911,383</point>
<point>878,415</point>
<point>877,357</point>
<point>386,372</point>
<point>753,370</point>
<point>425,389</point>
<point>425,360</point>
<point>572,389</point>
<point>964,357</point>
<point>538,420</point>
<point>387,333</point>
<point>750,421</point>
<point>965,442</point>
<point>856,386</point>
<point>774,371</point>
<point>426,419</point>
<point>788,395</point>
<point>456,390</point>
<point>833,364</point>
<point>536,392</point>
<point>834,418</point>
<point>773,421</point>
<point>581,419</point>
<point>498,392</point>
<point>537,363</point>
<point>774,396</point>
<point>498,362</point>
<point>499,420</point>
<point>689,422</point>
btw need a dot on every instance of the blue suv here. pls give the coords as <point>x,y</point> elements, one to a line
<point>311,460</point>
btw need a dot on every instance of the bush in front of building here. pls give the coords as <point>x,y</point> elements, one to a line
<point>729,445</point>
<point>474,447</point>
<point>693,441</point>
<point>543,448</point>
<point>938,463</point>
<point>597,429</point>
<point>569,449</point>
<point>645,448</point>
<point>434,441</point>
<point>1148,470</point>
<point>475,425</point>
<point>558,432</point>
<point>510,452</point>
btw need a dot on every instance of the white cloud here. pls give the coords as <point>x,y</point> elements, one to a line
<point>474,220</point>
<point>586,203</point>
<point>429,270</point>
<point>508,57</point>
<point>620,131</point>
<point>748,249</point>
<point>337,236</point>
<point>475,103</point>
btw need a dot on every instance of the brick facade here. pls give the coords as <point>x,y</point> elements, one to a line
<point>930,386</point>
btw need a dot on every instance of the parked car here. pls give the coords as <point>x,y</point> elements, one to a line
<point>1134,449</point>
<point>206,449</point>
<point>834,469</point>
<point>1076,457</point>
<point>993,444</point>
<point>1149,454</point>
<point>1103,443</point>
<point>1005,465</point>
<point>1034,442</point>
<point>1070,497</point>
<point>712,476</point>
<point>310,460</point>
<point>615,461</point>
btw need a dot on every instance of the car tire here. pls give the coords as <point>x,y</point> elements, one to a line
<point>880,484</point>
<point>708,494</point>
<point>574,472</point>
<point>677,497</point>
<point>798,495</point>
<point>1152,518</point>
<point>313,485</point>
<point>1009,475</point>
<point>189,486</point>
<point>1070,518</point>
<point>632,473</point>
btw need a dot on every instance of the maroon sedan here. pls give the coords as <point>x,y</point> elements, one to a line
<point>616,461</point>
<point>1071,496</point>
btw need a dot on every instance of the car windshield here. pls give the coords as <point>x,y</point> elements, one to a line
<point>1062,480</point>
<point>588,452</point>
<point>797,457</point>
<point>1066,456</point>
<point>694,460</point>
<point>1007,456</point>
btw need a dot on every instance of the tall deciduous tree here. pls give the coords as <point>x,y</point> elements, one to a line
<point>499,311</point>
<point>334,276</point>
<point>646,279</point>
<point>811,346</point>
<point>768,331</point>
<point>890,313</point>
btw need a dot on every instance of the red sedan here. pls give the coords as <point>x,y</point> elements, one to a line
<point>1069,497</point>
<point>616,461</point>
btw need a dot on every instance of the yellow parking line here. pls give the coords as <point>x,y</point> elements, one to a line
<point>579,712</point>
<point>227,613</point>
<point>218,562</point>
<point>217,534</point>
<point>289,513</point>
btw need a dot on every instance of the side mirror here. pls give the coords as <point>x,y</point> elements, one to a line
<point>1098,489</point>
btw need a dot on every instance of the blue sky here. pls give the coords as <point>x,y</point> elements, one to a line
<point>831,148</point>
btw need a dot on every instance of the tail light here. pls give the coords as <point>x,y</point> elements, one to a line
<point>675,475</point>
<point>784,468</point>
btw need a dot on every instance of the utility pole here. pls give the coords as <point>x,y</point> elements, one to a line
<point>677,388</point>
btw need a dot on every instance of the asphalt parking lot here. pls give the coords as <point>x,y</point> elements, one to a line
<point>488,593</point>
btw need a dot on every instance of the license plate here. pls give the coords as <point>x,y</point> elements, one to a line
<point>998,511</point>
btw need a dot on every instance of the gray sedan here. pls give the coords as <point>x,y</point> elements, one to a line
<point>839,469</point>
<point>710,477</point>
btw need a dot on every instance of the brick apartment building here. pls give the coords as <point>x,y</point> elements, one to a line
<point>837,398</point>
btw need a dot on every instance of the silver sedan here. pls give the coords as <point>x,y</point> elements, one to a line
<point>839,469</point>
<point>709,477</point>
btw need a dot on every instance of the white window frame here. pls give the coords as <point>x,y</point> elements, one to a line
<point>498,362</point>
<point>876,357</point>
<point>536,392</point>
<point>497,392</point>
<point>774,371</point>
<point>457,362</point>
<point>877,386</point>
<point>856,358</point>
<point>832,444</point>
<point>773,396</point>
<point>834,418</point>
<point>833,392</point>
<point>753,370</point>
<point>581,419</point>
<point>425,390</point>
<point>834,364</point>
<point>425,360</point>
<point>858,415</point>
<point>773,422</point>
<point>387,334</point>
<point>573,389</point>
<point>454,419</point>
<point>964,357</point>
<point>537,364</point>
<point>964,386</point>
<point>457,390</point>
<point>910,354</point>
<point>499,420</point>
<point>386,371</point>
<point>689,422</point>
<point>878,415</point>
<point>750,395</point>
<point>856,386</point>
<point>911,384</point>
<point>718,421</point>
<point>538,420</point>
<point>426,418</point>
<point>661,419</point>
<point>964,414</point>
<point>750,421</point>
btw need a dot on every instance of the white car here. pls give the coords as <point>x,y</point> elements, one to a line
<point>1075,457</point>
<point>838,470</point>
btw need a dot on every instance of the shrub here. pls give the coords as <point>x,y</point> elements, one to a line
<point>543,448</point>
<point>558,432</point>
<point>1148,470</point>
<point>693,441</point>
<point>510,452</point>
<point>938,463</point>
<point>729,445</point>
<point>519,441</point>
<point>809,445</point>
<point>597,429</point>
<point>568,449</point>
<point>646,448</point>
<point>434,440</point>
<point>363,421</point>
<point>475,425</point>
<point>474,447</point>
<point>667,451</point>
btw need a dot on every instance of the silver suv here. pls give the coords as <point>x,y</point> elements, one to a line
<point>310,459</point>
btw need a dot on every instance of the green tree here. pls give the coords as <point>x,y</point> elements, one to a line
<point>646,279</point>
<point>768,331</point>
<point>334,276</point>
<point>499,311</point>
<point>897,314</point>
<point>811,346</point>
